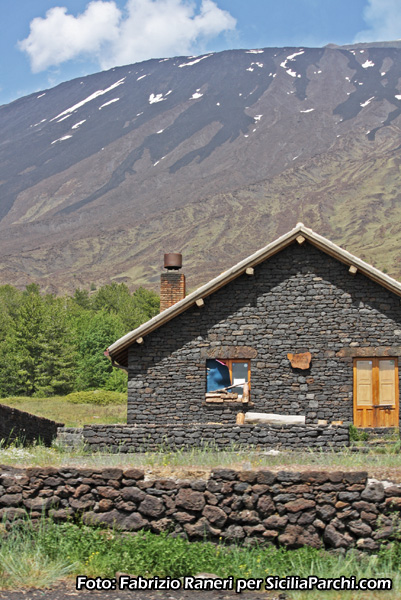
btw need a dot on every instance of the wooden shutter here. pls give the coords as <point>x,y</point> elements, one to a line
<point>386,382</point>
<point>376,401</point>
<point>363,393</point>
<point>387,401</point>
<point>364,382</point>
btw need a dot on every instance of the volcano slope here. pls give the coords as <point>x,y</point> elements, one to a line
<point>213,156</point>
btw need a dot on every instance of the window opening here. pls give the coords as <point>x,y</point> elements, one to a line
<point>228,373</point>
<point>239,374</point>
<point>218,375</point>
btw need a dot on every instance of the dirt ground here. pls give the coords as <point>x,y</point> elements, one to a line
<point>67,591</point>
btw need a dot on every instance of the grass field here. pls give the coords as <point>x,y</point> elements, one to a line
<point>60,409</point>
<point>198,462</point>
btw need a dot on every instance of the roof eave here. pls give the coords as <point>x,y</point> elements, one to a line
<point>202,292</point>
<point>119,347</point>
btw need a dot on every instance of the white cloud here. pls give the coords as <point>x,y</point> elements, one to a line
<point>60,37</point>
<point>383,18</point>
<point>146,29</point>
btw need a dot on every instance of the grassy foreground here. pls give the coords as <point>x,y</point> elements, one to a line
<point>198,462</point>
<point>72,414</point>
<point>39,556</point>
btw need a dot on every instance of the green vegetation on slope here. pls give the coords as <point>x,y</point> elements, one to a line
<point>55,345</point>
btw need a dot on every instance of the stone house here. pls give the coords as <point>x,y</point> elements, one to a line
<point>301,327</point>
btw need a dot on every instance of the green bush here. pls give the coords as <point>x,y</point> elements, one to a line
<point>357,436</point>
<point>99,397</point>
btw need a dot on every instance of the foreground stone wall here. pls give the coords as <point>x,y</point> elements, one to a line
<point>26,428</point>
<point>125,438</point>
<point>320,509</point>
<point>299,300</point>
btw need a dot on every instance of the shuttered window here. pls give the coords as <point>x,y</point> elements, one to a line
<point>376,392</point>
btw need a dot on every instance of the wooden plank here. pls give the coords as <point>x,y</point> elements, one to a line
<point>252,417</point>
<point>240,418</point>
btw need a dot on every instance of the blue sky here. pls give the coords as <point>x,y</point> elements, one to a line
<point>45,42</point>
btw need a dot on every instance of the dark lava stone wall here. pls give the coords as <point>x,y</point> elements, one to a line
<point>153,437</point>
<point>299,300</point>
<point>26,428</point>
<point>312,508</point>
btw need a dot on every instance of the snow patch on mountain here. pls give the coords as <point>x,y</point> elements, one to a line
<point>109,102</point>
<point>194,62</point>
<point>78,124</point>
<point>363,104</point>
<point>291,58</point>
<point>153,98</point>
<point>196,95</point>
<point>89,99</point>
<point>65,137</point>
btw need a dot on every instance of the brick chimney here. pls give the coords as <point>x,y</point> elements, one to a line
<point>172,282</point>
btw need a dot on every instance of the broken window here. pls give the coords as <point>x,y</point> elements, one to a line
<point>228,373</point>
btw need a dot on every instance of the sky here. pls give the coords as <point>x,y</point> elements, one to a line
<point>46,42</point>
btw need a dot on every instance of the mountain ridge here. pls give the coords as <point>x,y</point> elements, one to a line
<point>99,176</point>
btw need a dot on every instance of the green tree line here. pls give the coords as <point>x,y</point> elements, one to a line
<point>53,345</point>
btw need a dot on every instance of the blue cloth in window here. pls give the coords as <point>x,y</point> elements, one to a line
<point>218,375</point>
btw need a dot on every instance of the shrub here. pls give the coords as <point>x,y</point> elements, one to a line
<point>99,397</point>
<point>357,436</point>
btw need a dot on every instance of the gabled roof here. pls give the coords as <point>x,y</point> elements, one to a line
<point>119,350</point>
